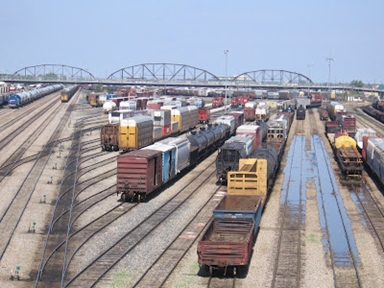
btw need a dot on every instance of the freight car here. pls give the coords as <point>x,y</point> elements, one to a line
<point>93,100</point>
<point>141,172</point>
<point>262,113</point>
<point>230,235</point>
<point>68,92</point>
<point>23,98</point>
<point>250,111</point>
<point>333,108</point>
<point>247,139</point>
<point>346,154</point>
<point>378,115</point>
<point>373,154</point>
<point>378,104</point>
<point>142,130</point>
<point>204,115</point>
<point>300,113</point>
<point>323,114</point>
<point>361,133</point>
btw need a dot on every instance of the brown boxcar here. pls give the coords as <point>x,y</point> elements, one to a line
<point>139,173</point>
<point>239,116</point>
<point>109,137</point>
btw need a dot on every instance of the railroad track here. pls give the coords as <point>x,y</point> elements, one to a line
<point>15,210</point>
<point>287,268</point>
<point>343,256</point>
<point>222,283</point>
<point>165,264</point>
<point>28,112</point>
<point>9,164</point>
<point>368,121</point>
<point>371,210</point>
<point>94,272</point>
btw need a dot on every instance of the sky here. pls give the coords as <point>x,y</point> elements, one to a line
<point>105,36</point>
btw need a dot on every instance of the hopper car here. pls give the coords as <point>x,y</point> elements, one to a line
<point>23,98</point>
<point>141,172</point>
<point>68,92</point>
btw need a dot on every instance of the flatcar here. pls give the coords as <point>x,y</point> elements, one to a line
<point>345,150</point>
<point>68,92</point>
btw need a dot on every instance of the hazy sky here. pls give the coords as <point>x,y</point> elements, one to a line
<point>104,36</point>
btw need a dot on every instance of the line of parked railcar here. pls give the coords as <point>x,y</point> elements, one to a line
<point>341,132</point>
<point>135,132</point>
<point>23,98</point>
<point>141,172</point>
<point>374,112</point>
<point>228,239</point>
<point>68,92</point>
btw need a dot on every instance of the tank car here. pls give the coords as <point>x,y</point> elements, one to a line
<point>235,148</point>
<point>109,106</point>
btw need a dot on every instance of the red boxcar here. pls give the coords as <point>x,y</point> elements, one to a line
<point>204,115</point>
<point>234,102</point>
<point>139,173</point>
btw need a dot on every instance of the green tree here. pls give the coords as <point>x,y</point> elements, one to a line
<point>99,88</point>
<point>357,83</point>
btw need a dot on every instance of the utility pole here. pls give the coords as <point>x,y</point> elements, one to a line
<point>226,72</point>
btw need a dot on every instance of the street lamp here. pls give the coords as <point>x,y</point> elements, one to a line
<point>329,59</point>
<point>226,67</point>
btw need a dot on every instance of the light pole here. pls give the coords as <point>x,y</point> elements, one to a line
<point>329,59</point>
<point>309,75</point>
<point>226,70</point>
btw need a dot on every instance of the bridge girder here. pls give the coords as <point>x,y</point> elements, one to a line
<point>60,70</point>
<point>162,72</point>
<point>273,76</point>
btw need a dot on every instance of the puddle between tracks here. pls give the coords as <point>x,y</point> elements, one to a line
<point>314,167</point>
<point>335,223</point>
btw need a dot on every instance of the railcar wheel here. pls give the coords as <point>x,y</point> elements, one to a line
<point>234,271</point>
<point>124,197</point>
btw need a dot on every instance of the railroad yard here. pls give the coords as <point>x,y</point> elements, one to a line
<point>62,224</point>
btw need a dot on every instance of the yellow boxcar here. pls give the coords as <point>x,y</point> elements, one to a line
<point>135,133</point>
<point>181,116</point>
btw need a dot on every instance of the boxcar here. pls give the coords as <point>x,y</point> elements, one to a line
<point>138,174</point>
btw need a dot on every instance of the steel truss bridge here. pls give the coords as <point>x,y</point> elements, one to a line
<point>170,75</point>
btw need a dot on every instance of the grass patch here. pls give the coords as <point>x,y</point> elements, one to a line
<point>120,280</point>
<point>312,238</point>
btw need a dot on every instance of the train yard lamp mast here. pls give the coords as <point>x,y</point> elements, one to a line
<point>226,67</point>
<point>309,75</point>
<point>329,59</point>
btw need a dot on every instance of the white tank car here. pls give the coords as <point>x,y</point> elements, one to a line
<point>109,106</point>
